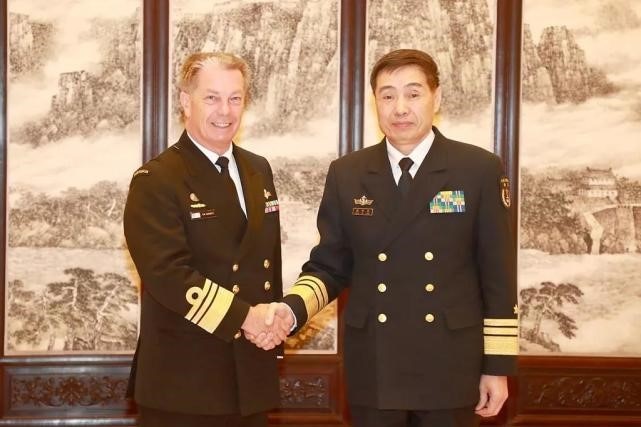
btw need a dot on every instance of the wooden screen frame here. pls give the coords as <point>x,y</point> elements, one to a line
<point>71,390</point>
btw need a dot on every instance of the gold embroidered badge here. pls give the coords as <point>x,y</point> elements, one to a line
<point>505,191</point>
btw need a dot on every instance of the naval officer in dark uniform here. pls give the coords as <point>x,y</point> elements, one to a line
<point>202,226</point>
<point>417,227</point>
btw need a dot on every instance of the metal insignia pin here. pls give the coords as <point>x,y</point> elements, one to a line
<point>267,194</point>
<point>363,201</point>
<point>193,197</point>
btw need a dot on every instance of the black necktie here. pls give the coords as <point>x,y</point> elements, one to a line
<point>223,162</point>
<point>405,182</point>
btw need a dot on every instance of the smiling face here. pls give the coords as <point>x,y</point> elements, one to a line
<point>405,105</point>
<point>213,108</point>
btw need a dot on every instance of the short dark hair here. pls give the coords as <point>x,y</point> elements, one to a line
<point>403,57</point>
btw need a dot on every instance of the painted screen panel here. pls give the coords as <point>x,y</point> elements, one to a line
<point>580,226</point>
<point>292,48</point>
<point>73,141</point>
<point>460,38</point>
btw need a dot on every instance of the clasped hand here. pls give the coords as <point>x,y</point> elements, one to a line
<point>267,325</point>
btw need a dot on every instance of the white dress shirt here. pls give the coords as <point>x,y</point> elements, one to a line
<point>417,155</point>
<point>233,168</point>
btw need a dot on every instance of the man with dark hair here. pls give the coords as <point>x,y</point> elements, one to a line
<point>202,226</point>
<point>417,227</point>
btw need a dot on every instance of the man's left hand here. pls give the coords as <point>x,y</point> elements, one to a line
<point>494,393</point>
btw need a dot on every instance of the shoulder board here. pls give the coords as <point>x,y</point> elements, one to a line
<point>141,172</point>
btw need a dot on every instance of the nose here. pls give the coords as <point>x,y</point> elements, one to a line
<point>224,107</point>
<point>400,107</point>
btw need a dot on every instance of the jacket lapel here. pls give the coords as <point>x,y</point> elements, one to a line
<point>206,181</point>
<point>253,190</point>
<point>379,182</point>
<point>430,178</point>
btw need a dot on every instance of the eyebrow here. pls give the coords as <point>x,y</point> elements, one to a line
<point>409,85</point>
<point>215,92</point>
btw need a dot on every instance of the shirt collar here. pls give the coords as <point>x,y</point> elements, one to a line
<point>417,155</point>
<point>211,155</point>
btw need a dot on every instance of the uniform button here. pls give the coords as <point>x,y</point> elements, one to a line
<point>267,285</point>
<point>382,318</point>
<point>382,287</point>
<point>429,256</point>
<point>382,257</point>
<point>238,335</point>
<point>429,317</point>
<point>429,287</point>
<point>266,263</point>
<point>235,289</point>
<point>234,267</point>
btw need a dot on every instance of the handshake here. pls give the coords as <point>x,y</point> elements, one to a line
<point>267,325</point>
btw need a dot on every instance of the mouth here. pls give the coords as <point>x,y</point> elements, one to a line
<point>402,124</point>
<point>221,125</point>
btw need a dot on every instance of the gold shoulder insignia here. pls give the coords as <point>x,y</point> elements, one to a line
<point>505,191</point>
<point>141,172</point>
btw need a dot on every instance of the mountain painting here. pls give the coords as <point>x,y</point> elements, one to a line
<point>73,142</point>
<point>580,227</point>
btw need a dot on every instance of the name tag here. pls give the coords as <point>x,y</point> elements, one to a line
<point>363,211</point>
<point>211,213</point>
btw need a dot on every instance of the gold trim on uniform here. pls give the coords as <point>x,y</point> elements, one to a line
<point>501,331</point>
<point>501,346</point>
<point>501,322</point>
<point>313,292</point>
<point>209,305</point>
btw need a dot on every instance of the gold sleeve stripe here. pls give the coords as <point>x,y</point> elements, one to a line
<point>218,310</point>
<point>312,304</point>
<point>313,292</point>
<point>213,290</point>
<point>196,296</point>
<point>501,331</point>
<point>501,322</point>
<point>210,304</point>
<point>501,346</point>
<point>311,280</point>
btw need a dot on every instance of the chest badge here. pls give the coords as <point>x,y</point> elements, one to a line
<point>360,208</point>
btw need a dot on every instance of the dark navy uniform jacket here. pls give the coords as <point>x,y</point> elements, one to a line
<point>432,301</point>
<point>201,269</point>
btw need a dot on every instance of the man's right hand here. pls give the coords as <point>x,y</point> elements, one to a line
<point>267,325</point>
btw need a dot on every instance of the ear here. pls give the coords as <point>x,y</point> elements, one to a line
<point>185,103</point>
<point>437,99</point>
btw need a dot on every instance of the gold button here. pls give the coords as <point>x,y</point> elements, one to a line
<point>382,257</point>
<point>267,285</point>
<point>382,318</point>
<point>238,335</point>
<point>429,287</point>
<point>429,318</point>
<point>266,263</point>
<point>235,289</point>
<point>382,287</point>
<point>234,267</point>
<point>429,256</point>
